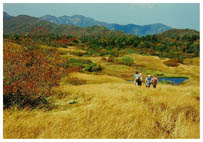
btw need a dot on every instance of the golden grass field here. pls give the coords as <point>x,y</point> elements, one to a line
<point>108,106</point>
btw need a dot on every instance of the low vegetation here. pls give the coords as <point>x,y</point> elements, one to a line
<point>86,65</point>
<point>81,87</point>
<point>124,61</point>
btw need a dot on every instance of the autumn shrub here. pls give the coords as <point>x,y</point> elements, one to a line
<point>110,59</point>
<point>63,42</point>
<point>28,76</point>
<point>172,62</point>
<point>73,69</point>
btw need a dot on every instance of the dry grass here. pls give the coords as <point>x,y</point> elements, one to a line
<point>72,50</point>
<point>112,110</point>
<point>91,79</point>
<point>110,107</point>
<point>194,61</point>
<point>156,64</point>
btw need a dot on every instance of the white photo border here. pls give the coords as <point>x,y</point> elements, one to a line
<point>95,1</point>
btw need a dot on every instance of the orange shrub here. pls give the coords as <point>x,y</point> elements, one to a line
<point>110,59</point>
<point>28,76</point>
<point>172,62</point>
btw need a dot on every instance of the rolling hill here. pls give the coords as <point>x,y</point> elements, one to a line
<point>175,33</point>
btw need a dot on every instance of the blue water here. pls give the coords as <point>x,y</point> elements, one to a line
<point>173,80</point>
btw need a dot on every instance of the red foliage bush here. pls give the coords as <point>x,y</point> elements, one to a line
<point>73,69</point>
<point>110,59</point>
<point>63,42</point>
<point>28,76</point>
<point>172,62</point>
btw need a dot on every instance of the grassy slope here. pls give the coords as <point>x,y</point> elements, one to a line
<point>107,106</point>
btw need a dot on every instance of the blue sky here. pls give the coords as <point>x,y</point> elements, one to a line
<point>175,15</point>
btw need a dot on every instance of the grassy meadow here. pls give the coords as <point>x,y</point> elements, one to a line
<point>105,104</point>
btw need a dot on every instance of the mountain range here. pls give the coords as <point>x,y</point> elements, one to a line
<point>76,22</point>
<point>23,24</point>
<point>82,21</point>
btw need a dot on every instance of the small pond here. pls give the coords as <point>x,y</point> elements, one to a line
<point>173,80</point>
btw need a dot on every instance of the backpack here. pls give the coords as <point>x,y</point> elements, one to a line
<point>154,81</point>
<point>137,78</point>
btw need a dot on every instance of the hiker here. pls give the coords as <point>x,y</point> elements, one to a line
<point>139,80</point>
<point>148,81</point>
<point>135,78</point>
<point>154,81</point>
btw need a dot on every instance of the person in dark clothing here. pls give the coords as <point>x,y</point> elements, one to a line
<point>139,82</point>
<point>136,78</point>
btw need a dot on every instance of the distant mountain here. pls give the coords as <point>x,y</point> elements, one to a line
<point>77,20</point>
<point>23,24</point>
<point>140,30</point>
<point>83,21</point>
<point>6,16</point>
